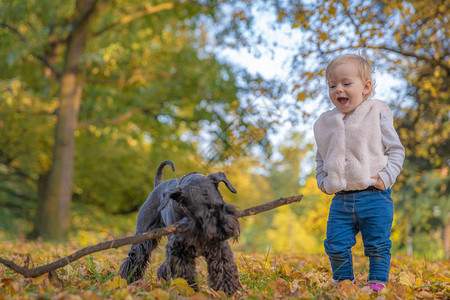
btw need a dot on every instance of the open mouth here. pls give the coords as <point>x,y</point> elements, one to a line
<point>342,100</point>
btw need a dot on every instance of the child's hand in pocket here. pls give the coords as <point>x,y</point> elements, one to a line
<point>323,189</point>
<point>379,184</point>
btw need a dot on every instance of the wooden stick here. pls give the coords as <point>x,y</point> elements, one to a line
<point>268,206</point>
<point>154,234</point>
<point>38,271</point>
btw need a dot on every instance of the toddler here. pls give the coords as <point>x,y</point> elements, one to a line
<point>358,159</point>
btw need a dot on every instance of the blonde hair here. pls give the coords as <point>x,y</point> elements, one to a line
<point>364,69</point>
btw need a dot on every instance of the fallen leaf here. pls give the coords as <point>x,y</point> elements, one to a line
<point>280,285</point>
<point>116,283</point>
<point>407,278</point>
<point>123,294</point>
<point>199,296</point>
<point>159,294</point>
<point>89,295</point>
<point>40,280</point>
<point>181,285</point>
<point>347,290</point>
<point>6,281</point>
<point>424,295</point>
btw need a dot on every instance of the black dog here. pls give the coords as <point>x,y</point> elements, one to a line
<point>210,222</point>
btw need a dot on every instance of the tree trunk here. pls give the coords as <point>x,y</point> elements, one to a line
<point>42,191</point>
<point>446,237</point>
<point>54,220</point>
<point>55,216</point>
<point>409,239</point>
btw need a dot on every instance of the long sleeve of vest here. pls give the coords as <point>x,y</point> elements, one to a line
<point>393,149</point>
<point>320,173</point>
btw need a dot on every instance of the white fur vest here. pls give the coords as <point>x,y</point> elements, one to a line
<point>352,150</point>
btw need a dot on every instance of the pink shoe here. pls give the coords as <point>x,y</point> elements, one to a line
<point>376,286</point>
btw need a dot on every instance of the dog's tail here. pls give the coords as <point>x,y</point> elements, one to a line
<point>159,171</point>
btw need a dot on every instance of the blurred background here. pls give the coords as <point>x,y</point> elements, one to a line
<point>95,94</point>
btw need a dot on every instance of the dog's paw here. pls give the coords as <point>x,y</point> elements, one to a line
<point>163,272</point>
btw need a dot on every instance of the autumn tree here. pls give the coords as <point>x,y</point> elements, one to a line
<point>408,40</point>
<point>121,74</point>
<point>286,230</point>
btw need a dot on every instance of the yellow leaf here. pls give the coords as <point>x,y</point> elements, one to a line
<point>347,289</point>
<point>181,285</point>
<point>418,282</point>
<point>407,278</point>
<point>40,280</point>
<point>301,97</point>
<point>125,295</point>
<point>199,296</point>
<point>88,295</point>
<point>425,295</point>
<point>159,294</point>
<point>117,283</point>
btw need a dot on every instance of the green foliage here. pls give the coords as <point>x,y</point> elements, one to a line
<point>149,87</point>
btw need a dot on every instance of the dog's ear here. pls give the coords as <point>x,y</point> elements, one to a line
<point>179,196</point>
<point>220,177</point>
<point>176,194</point>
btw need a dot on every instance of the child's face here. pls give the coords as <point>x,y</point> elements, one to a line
<point>346,88</point>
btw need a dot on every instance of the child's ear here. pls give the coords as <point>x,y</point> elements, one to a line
<point>367,87</point>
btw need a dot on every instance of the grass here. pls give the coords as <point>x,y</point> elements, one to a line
<point>264,276</point>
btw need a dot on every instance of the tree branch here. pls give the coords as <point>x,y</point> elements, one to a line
<point>37,56</point>
<point>127,115</point>
<point>7,161</point>
<point>116,120</point>
<point>16,193</point>
<point>111,121</point>
<point>157,233</point>
<point>433,62</point>
<point>149,9</point>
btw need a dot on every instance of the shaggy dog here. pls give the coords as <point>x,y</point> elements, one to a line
<point>210,221</point>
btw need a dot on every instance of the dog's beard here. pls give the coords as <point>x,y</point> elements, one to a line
<point>215,223</point>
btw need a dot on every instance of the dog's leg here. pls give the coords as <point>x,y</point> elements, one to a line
<point>180,261</point>
<point>133,267</point>
<point>164,270</point>
<point>223,274</point>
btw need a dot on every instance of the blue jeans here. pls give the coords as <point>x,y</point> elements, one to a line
<point>371,212</point>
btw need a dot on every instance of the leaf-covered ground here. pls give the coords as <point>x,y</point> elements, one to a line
<point>266,276</point>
